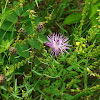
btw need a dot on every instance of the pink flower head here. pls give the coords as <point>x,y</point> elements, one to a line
<point>58,43</point>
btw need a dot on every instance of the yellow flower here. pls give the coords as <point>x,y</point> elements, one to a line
<point>80,49</point>
<point>77,43</point>
<point>98,26</point>
<point>83,45</point>
<point>83,51</point>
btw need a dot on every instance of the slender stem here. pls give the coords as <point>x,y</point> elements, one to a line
<point>31,69</point>
<point>6,4</point>
<point>14,74</point>
<point>31,65</point>
<point>85,75</point>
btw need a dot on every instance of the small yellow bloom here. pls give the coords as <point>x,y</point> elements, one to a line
<point>77,43</point>
<point>98,26</point>
<point>88,69</point>
<point>83,45</point>
<point>83,51</point>
<point>80,49</point>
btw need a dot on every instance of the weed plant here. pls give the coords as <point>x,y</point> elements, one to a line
<point>29,70</point>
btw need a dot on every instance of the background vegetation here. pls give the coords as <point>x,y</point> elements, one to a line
<point>32,74</point>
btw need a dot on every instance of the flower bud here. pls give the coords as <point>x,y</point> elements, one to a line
<point>13,51</point>
<point>40,27</point>
<point>3,79</point>
<point>22,31</point>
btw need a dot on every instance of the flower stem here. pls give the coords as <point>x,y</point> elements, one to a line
<point>14,74</point>
<point>85,75</point>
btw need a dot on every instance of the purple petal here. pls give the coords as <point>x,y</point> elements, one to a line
<point>49,38</point>
<point>66,52</point>
<point>49,44</point>
<point>58,43</point>
<point>52,53</point>
<point>62,52</point>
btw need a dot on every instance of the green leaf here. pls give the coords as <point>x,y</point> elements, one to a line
<point>35,43</point>
<point>5,45</point>
<point>43,38</point>
<point>77,96</point>
<point>75,85</point>
<point>4,15</point>
<point>19,10</point>
<point>94,21</point>
<point>74,73</point>
<point>94,1</point>
<point>16,96</point>
<point>72,18</point>
<point>29,29</point>
<point>94,9</point>
<point>12,17</point>
<point>22,50</point>
<point>93,14</point>
<point>15,3</point>
<point>8,79</point>
<point>7,26</point>
<point>28,92</point>
<point>3,88</point>
<point>7,73</point>
<point>69,68</point>
<point>1,60</point>
<point>68,97</point>
<point>28,6</point>
<point>32,42</point>
<point>36,3</point>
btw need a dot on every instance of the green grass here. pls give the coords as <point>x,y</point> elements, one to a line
<point>32,74</point>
